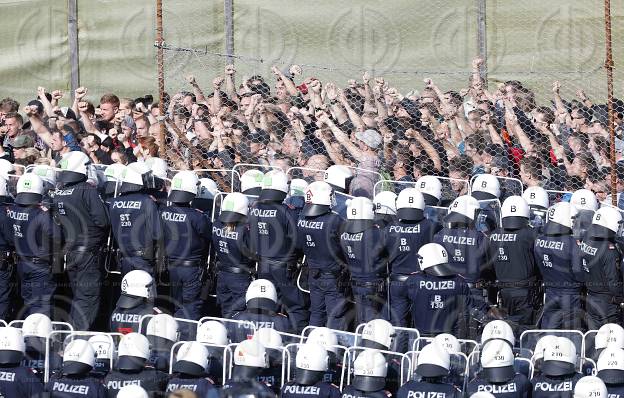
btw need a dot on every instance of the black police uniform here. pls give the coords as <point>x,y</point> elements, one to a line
<point>75,386</point>
<point>236,388</point>
<point>582,221</point>
<point>126,317</point>
<point>554,387</point>
<point>273,238</point>
<point>352,392</point>
<point>201,386</point>
<point>320,389</point>
<point>151,380</point>
<point>34,236</point>
<point>84,221</point>
<point>7,276</point>
<point>318,237</point>
<point>518,387</point>
<point>615,390</point>
<point>426,388</point>
<point>260,318</point>
<point>135,223</point>
<point>186,233</point>
<point>235,265</point>
<point>559,259</point>
<point>19,382</point>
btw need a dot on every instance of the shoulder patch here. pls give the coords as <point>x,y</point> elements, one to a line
<point>43,208</point>
<point>290,206</point>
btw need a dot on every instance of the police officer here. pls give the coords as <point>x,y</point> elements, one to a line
<point>559,259</point>
<point>213,333</point>
<point>250,357</point>
<point>135,301</point>
<point>84,220</point>
<point>135,220</point>
<point>369,376</point>
<point>404,238</point>
<point>234,260</point>
<point>486,189</point>
<point>75,381</point>
<point>312,363</point>
<point>538,353</point>
<point>385,208</point>
<point>36,328</point>
<point>431,189</point>
<point>190,370</point>
<point>498,375</point>
<point>338,177</point>
<point>188,233</point>
<point>602,263</point>
<point>318,236</point>
<point>273,237</point>
<point>558,371</point>
<point>158,188</point>
<point>205,196</point>
<point>6,243</point>
<point>609,335</point>
<point>327,338</point>
<point>498,330</point>
<point>162,332</point>
<point>133,353</point>
<point>514,262</point>
<point>586,204</point>
<point>591,387</point>
<point>610,368</point>
<point>296,194</point>
<point>112,173</point>
<point>433,365</point>
<point>261,311</point>
<point>103,348</point>
<point>537,199</point>
<point>17,380</point>
<point>379,334</point>
<point>35,237</point>
<point>251,182</point>
<point>363,247</point>
<point>272,342</point>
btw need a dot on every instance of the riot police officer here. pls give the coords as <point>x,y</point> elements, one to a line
<point>379,334</point>
<point>272,342</point>
<point>113,175</point>
<point>162,332</point>
<point>312,363</point>
<point>559,259</point>
<point>537,199</point>
<point>234,259</point>
<point>486,189</point>
<point>385,208</point>
<point>135,220</point>
<point>273,237</point>
<point>36,328</point>
<point>318,236</point>
<point>404,238</point>
<point>514,262</point>
<point>369,376</point>
<point>558,371</point>
<point>103,347</point>
<point>205,196</point>
<point>133,353</point>
<point>135,301</point>
<point>610,368</point>
<point>213,333</point>
<point>586,204</point>
<point>363,247</point>
<point>251,182</point>
<point>17,380</point>
<point>338,177</point>
<point>6,243</point>
<point>296,194</point>
<point>188,234</point>
<point>250,358</point>
<point>602,262</point>
<point>84,220</point>
<point>190,370</point>
<point>431,189</point>
<point>498,330</point>
<point>158,188</point>
<point>327,338</point>
<point>591,387</point>
<point>36,239</point>
<point>75,381</point>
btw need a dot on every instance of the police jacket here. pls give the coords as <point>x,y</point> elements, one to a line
<point>518,387</point>
<point>554,387</point>
<point>261,319</point>
<point>150,379</point>
<point>82,214</point>
<point>428,388</point>
<point>186,233</point>
<point>239,388</point>
<point>365,253</point>
<point>468,251</point>
<point>320,389</point>
<point>319,239</point>
<point>602,263</point>
<point>201,386</point>
<point>75,386</point>
<point>352,392</point>
<point>34,232</point>
<point>6,226</point>
<point>615,390</point>
<point>19,382</point>
<point>135,223</point>
<point>127,320</point>
<point>559,259</point>
<point>513,258</point>
<point>273,232</point>
<point>403,240</point>
<point>231,245</point>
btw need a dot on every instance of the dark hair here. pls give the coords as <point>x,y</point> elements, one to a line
<point>477,141</point>
<point>123,156</point>
<point>16,116</point>
<point>574,182</point>
<point>549,114</point>
<point>110,99</point>
<point>96,139</point>
<point>424,164</point>
<point>455,98</point>
<point>9,105</point>
<point>461,164</point>
<point>532,166</point>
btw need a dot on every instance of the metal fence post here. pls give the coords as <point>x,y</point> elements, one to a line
<point>72,37</point>
<point>228,7</point>
<point>482,38</point>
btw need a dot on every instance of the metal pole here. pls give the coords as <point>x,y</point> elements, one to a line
<point>160,62</point>
<point>228,6</point>
<point>482,38</point>
<point>609,67</point>
<point>72,36</point>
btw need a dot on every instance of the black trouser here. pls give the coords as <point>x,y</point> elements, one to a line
<point>7,287</point>
<point>600,310</point>
<point>84,269</point>
<point>518,303</point>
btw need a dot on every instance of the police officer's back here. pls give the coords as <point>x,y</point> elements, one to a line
<point>215,335</point>
<point>135,301</point>
<point>311,365</point>
<point>369,376</point>
<point>16,380</point>
<point>190,370</point>
<point>558,371</point>
<point>329,340</point>
<point>6,243</point>
<point>250,358</point>
<point>75,381</point>
<point>162,332</point>
<point>486,188</point>
<point>538,201</point>
<point>272,342</point>
<point>610,366</point>
<point>384,203</point>
<point>586,204</point>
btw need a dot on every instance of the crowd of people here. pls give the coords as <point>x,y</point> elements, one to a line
<point>446,223</point>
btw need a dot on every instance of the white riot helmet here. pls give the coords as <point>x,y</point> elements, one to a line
<point>207,189</point>
<point>297,187</point>
<point>158,167</point>
<point>12,345</point>
<point>269,337</point>
<point>134,177</point>
<point>261,294</point>
<point>339,177</point>
<point>536,197</point>
<point>369,371</point>
<point>448,342</point>
<point>6,169</point>
<point>234,208</point>
<point>485,187</point>
<point>431,188</point>
<point>162,328</point>
<point>250,357</point>
<point>113,175</point>
<point>183,187</point>
<point>133,352</point>
<point>101,344</point>
<point>590,387</point>
<point>251,182</point>
<point>137,286</point>
<point>47,174</point>
<point>497,361</point>
<point>385,203</point>
<point>560,218</point>
<point>606,223</point>
<point>78,358</point>
<point>560,358</point>
<point>325,337</point>
<point>212,332</point>
<point>498,330</point>
<point>318,198</point>
<point>274,186</point>
<point>463,210</point>
<point>312,362</point>
<point>609,335</point>
<point>132,391</point>
<point>515,213</point>
<point>378,334</point>
<point>542,344</point>
<point>192,359</point>
<point>433,361</point>
<point>29,190</point>
<point>410,205</point>
<point>610,365</point>
<point>360,214</point>
<point>73,167</point>
<point>584,199</point>
<point>37,325</point>
<point>433,260</point>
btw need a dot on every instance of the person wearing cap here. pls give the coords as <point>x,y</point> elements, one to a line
<point>369,376</point>
<point>318,232</point>
<point>404,237</point>
<point>132,354</point>
<point>234,259</point>
<point>273,237</point>
<point>135,301</point>
<point>75,380</point>
<point>135,220</point>
<point>7,263</point>
<point>36,257</point>
<point>433,366</point>
<point>511,248</point>
<point>558,370</point>
<point>559,258</point>
<point>249,358</point>
<point>498,375</point>
<point>18,380</point>
<point>189,370</point>
<point>20,143</point>
<point>601,257</point>
<point>311,365</point>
